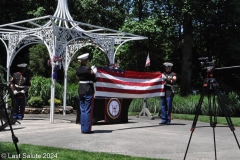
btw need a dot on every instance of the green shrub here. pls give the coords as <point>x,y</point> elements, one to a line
<point>41,87</point>
<point>72,92</point>
<point>153,105</point>
<point>232,101</point>
<point>35,102</point>
<point>57,102</point>
<point>188,105</point>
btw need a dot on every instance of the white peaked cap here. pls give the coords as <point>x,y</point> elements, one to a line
<point>83,56</point>
<point>167,64</point>
<point>22,65</point>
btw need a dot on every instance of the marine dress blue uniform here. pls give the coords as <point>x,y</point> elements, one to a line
<point>86,93</point>
<point>166,101</point>
<point>20,83</point>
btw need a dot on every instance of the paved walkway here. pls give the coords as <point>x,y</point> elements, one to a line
<point>140,137</point>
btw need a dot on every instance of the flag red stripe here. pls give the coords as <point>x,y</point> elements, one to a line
<point>130,74</point>
<point>106,89</point>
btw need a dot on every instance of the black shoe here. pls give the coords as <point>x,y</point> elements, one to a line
<point>163,123</point>
<point>91,132</point>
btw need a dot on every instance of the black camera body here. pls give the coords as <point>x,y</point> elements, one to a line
<point>205,64</point>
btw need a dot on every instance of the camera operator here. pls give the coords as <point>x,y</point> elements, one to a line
<point>166,101</point>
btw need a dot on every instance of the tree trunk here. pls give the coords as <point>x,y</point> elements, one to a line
<point>186,70</point>
<point>140,9</point>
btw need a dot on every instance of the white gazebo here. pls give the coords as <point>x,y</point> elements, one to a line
<point>63,37</point>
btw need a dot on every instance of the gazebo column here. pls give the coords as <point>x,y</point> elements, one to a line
<point>53,64</point>
<point>65,82</point>
<point>65,93</point>
<point>8,82</point>
<point>52,96</point>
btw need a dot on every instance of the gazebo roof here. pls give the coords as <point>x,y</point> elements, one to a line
<point>62,18</point>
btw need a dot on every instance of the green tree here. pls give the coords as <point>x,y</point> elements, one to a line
<point>187,41</point>
<point>133,54</point>
<point>156,23</point>
<point>2,72</point>
<point>109,13</point>
<point>38,63</point>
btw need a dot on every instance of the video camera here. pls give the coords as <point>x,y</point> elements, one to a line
<point>205,64</point>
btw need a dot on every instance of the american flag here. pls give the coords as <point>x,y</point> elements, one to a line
<point>147,61</point>
<point>128,84</point>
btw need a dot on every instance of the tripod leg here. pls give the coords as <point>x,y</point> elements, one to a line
<point>215,148</point>
<point>226,114</point>
<point>213,120</point>
<point>197,111</point>
<point>5,89</point>
<point>14,138</point>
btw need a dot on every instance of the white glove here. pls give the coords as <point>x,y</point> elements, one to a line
<point>15,92</point>
<point>94,69</point>
<point>164,77</point>
<point>22,91</point>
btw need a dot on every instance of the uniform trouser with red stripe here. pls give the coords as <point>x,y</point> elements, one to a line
<point>20,103</point>
<point>86,109</point>
<point>166,107</point>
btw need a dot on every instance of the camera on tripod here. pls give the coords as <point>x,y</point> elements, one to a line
<point>205,64</point>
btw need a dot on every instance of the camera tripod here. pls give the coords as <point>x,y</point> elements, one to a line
<point>6,115</point>
<point>211,88</point>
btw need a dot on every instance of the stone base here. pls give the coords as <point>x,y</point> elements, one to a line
<point>46,110</point>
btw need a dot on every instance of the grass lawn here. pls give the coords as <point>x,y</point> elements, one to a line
<point>220,120</point>
<point>51,153</point>
<point>201,118</point>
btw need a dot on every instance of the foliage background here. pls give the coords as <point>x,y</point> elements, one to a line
<point>179,31</point>
<point>188,105</point>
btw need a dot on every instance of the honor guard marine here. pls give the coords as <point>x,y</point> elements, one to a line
<point>20,83</point>
<point>86,92</point>
<point>166,101</point>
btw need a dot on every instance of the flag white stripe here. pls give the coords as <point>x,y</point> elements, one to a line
<point>127,87</point>
<point>127,95</point>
